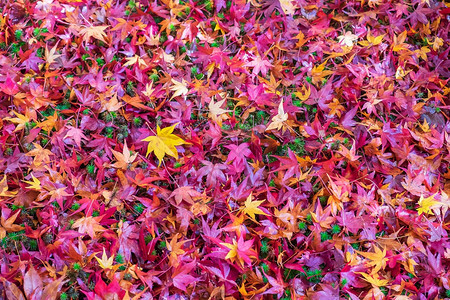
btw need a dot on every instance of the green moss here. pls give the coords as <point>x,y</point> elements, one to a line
<point>18,34</point>
<point>119,258</point>
<point>148,238</point>
<point>75,206</point>
<point>335,229</point>
<point>325,236</point>
<point>302,226</point>
<point>264,246</point>
<point>90,168</point>
<point>139,208</point>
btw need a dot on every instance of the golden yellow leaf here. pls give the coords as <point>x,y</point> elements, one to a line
<point>4,188</point>
<point>163,143</point>
<point>251,207</point>
<point>425,205</point>
<point>48,124</point>
<point>21,120</point>
<point>233,250</point>
<point>378,259</point>
<point>303,95</point>
<point>372,40</point>
<point>105,262</point>
<point>374,279</point>
<point>35,184</point>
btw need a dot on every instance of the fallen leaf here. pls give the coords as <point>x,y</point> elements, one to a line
<point>163,143</point>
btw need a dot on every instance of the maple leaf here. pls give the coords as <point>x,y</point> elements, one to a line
<point>50,56</point>
<point>425,205</point>
<point>259,65</point>
<point>131,61</point>
<point>10,87</point>
<point>303,95</point>
<point>7,223</point>
<point>58,194</point>
<point>186,193</point>
<point>181,278</point>
<point>374,279</point>
<point>251,207</point>
<point>378,259</point>
<point>40,154</point>
<point>372,40</point>
<point>163,143</point>
<point>89,225</point>
<point>279,119</point>
<point>105,262</point>
<point>136,102</point>
<point>437,43</point>
<point>241,251</point>
<point>49,123</point>
<point>35,184</point>
<point>347,39</point>
<point>4,188</point>
<point>175,250</point>
<point>318,73</point>
<point>149,89</point>
<point>216,112</point>
<point>97,32</point>
<point>288,6</point>
<point>112,104</point>
<point>125,158</point>
<point>21,120</point>
<point>179,88</point>
<point>76,134</point>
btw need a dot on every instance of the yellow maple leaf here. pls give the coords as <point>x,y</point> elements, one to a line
<point>372,40</point>
<point>374,279</point>
<point>163,143</point>
<point>251,207</point>
<point>378,259</point>
<point>233,250</point>
<point>51,55</point>
<point>49,123</point>
<point>149,89</point>
<point>425,205</point>
<point>318,73</point>
<point>21,120</point>
<point>437,43</point>
<point>35,184</point>
<point>4,188</point>
<point>303,95</point>
<point>105,262</point>
<point>400,73</point>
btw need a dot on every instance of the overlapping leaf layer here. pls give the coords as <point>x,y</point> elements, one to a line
<point>270,149</point>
